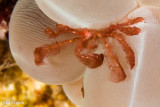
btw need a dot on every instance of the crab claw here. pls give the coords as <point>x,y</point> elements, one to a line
<point>92,61</point>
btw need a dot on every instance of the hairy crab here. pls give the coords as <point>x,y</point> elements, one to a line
<point>87,43</point>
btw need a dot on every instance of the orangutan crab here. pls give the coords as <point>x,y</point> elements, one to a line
<point>87,43</point>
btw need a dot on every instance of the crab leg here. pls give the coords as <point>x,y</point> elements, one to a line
<point>127,49</point>
<point>130,31</point>
<point>133,21</point>
<point>117,73</point>
<point>50,49</point>
<point>60,29</point>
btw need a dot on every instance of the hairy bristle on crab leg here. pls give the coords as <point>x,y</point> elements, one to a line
<point>87,43</point>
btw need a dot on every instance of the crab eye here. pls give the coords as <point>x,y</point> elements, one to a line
<point>93,14</point>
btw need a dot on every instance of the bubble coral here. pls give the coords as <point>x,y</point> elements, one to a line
<point>140,88</point>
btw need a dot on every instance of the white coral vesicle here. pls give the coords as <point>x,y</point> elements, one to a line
<point>93,14</point>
